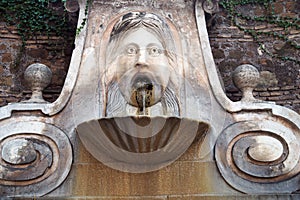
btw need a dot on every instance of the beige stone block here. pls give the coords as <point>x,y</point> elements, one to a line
<point>115,198</point>
<point>193,152</point>
<point>237,197</point>
<point>189,197</point>
<point>180,178</point>
<point>82,155</point>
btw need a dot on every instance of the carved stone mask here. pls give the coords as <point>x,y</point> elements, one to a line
<point>142,68</point>
<point>140,59</point>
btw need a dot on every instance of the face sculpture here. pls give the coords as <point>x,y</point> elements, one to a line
<point>139,64</point>
<point>143,70</point>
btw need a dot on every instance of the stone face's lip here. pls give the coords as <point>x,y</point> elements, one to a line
<point>139,144</point>
<point>140,80</point>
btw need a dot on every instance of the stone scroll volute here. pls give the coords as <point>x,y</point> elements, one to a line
<point>259,153</point>
<point>35,157</point>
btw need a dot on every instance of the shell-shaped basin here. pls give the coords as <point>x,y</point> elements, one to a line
<point>139,144</point>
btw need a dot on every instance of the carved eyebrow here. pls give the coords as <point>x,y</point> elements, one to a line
<point>160,46</point>
<point>131,44</point>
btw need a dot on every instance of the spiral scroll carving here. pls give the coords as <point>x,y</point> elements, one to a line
<point>259,157</point>
<point>35,158</point>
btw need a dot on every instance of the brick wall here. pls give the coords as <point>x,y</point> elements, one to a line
<point>232,47</point>
<point>13,62</point>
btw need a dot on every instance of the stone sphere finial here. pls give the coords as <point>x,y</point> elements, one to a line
<point>38,77</point>
<point>246,77</point>
<point>72,5</point>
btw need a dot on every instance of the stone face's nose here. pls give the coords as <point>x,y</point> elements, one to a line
<point>142,59</point>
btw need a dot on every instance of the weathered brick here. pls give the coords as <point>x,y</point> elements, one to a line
<point>224,35</point>
<point>289,87</point>
<point>273,88</point>
<point>2,47</point>
<point>218,53</point>
<point>6,57</point>
<point>277,93</point>
<point>260,89</point>
<point>264,94</point>
<point>12,100</point>
<point>278,7</point>
<point>1,69</point>
<point>280,102</point>
<point>16,46</point>
<point>37,53</point>
<point>276,98</point>
<point>245,40</point>
<point>6,81</point>
<point>262,98</point>
<point>236,54</point>
<point>3,102</point>
<point>296,101</point>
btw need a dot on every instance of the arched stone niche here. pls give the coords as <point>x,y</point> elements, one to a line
<point>147,84</point>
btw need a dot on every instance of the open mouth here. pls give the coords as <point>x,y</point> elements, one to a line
<point>142,82</point>
<point>142,91</point>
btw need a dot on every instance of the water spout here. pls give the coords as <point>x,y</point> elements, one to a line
<point>143,96</point>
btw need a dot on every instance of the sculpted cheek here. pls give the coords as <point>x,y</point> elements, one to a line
<point>123,65</point>
<point>126,62</point>
<point>162,72</point>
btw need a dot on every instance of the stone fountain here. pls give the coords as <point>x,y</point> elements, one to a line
<point>142,91</point>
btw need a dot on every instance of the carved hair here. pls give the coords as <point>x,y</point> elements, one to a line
<point>151,22</point>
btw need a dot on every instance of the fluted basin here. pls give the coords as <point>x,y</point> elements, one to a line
<point>139,143</point>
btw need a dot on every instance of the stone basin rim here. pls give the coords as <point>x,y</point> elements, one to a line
<point>103,147</point>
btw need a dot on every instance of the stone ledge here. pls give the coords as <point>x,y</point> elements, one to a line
<point>175,197</point>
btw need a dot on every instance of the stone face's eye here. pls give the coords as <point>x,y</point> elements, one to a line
<point>154,51</point>
<point>131,50</point>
